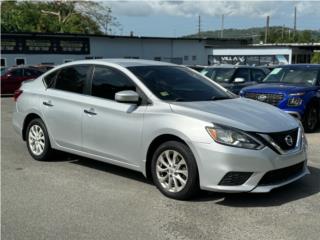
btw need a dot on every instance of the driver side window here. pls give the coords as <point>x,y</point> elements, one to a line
<point>106,82</point>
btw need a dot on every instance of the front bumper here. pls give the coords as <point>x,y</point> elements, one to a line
<point>216,160</point>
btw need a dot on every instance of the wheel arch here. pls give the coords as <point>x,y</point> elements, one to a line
<point>156,142</point>
<point>26,122</point>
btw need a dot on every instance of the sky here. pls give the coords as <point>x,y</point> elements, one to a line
<point>179,18</point>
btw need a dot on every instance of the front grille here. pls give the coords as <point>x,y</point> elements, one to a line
<point>270,98</point>
<point>282,174</point>
<point>235,178</point>
<point>285,140</point>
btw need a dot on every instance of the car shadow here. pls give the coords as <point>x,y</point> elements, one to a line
<point>109,168</point>
<point>305,187</point>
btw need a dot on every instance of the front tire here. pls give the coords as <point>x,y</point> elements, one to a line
<point>38,142</point>
<point>311,118</point>
<point>174,170</point>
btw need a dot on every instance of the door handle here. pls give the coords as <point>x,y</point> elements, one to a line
<point>90,111</point>
<point>49,104</point>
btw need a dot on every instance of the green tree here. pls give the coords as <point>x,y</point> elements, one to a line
<point>315,57</point>
<point>53,16</point>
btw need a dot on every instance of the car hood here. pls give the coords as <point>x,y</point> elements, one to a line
<point>241,113</point>
<point>277,88</point>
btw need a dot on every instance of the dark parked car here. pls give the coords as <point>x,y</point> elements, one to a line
<point>11,78</point>
<point>234,78</point>
<point>43,67</point>
<point>293,88</point>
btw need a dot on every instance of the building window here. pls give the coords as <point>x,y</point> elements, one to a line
<point>3,62</point>
<point>194,58</point>
<point>67,60</point>
<point>20,61</point>
<point>157,58</point>
<point>186,58</point>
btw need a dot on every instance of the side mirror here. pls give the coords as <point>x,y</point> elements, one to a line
<point>127,96</point>
<point>239,80</point>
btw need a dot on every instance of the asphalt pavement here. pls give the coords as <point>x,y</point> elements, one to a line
<point>78,198</point>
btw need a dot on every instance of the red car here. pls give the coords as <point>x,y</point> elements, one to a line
<point>11,78</point>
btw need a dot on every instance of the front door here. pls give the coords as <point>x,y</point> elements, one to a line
<point>112,130</point>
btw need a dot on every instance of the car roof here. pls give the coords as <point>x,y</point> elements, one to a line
<point>124,62</point>
<point>23,67</point>
<point>234,66</point>
<point>299,66</point>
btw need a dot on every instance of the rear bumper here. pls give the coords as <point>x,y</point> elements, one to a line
<point>17,122</point>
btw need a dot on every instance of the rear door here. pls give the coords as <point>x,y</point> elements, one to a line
<point>63,104</point>
<point>112,130</point>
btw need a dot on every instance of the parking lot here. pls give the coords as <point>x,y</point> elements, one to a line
<point>77,198</point>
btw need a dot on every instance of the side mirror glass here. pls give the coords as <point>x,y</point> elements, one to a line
<point>127,96</point>
<point>239,80</point>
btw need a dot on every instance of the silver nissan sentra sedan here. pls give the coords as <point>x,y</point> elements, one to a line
<point>164,120</point>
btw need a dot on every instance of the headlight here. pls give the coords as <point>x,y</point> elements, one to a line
<point>232,137</point>
<point>295,101</point>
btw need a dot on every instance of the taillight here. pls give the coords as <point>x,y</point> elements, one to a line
<point>16,94</point>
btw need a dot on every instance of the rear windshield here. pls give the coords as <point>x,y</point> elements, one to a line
<point>174,83</point>
<point>305,76</point>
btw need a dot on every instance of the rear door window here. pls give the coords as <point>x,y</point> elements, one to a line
<point>72,79</point>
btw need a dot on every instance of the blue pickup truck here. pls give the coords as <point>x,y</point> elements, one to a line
<point>294,89</point>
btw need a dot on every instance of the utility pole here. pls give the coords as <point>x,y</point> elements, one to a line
<point>199,26</point>
<point>267,30</point>
<point>222,26</point>
<point>295,22</point>
<point>282,33</point>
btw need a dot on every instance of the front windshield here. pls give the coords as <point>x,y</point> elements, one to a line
<point>306,76</point>
<point>174,83</point>
<point>220,75</point>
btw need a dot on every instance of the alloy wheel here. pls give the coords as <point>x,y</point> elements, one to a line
<point>172,171</point>
<point>36,140</point>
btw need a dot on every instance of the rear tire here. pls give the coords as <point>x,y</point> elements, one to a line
<point>38,142</point>
<point>174,170</point>
<point>311,118</point>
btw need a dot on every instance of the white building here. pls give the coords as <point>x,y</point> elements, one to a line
<point>41,48</point>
